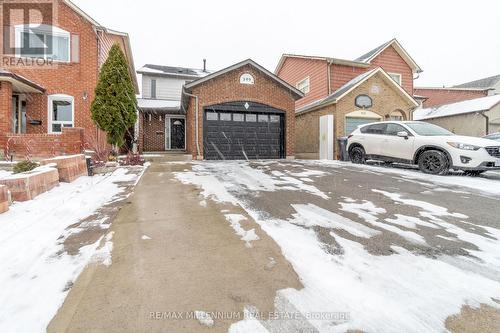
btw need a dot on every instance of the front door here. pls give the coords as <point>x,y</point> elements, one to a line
<point>176,133</point>
<point>18,115</point>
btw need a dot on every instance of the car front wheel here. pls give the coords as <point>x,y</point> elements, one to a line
<point>357,155</point>
<point>434,162</point>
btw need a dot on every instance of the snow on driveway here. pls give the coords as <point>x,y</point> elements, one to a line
<point>403,291</point>
<point>36,272</point>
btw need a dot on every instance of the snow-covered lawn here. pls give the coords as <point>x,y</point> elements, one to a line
<point>36,272</point>
<point>405,291</point>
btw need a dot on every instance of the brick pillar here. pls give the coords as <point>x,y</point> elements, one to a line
<point>5,112</point>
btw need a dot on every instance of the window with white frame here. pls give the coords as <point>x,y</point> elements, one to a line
<point>396,77</point>
<point>304,85</point>
<point>42,41</point>
<point>61,112</point>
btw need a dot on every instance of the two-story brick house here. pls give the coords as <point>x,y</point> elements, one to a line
<point>343,94</point>
<point>52,52</point>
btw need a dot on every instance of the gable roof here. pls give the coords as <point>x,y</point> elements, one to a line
<point>297,93</point>
<point>369,56</point>
<point>488,82</point>
<point>328,59</point>
<point>173,71</point>
<point>469,106</point>
<point>363,61</point>
<point>353,84</point>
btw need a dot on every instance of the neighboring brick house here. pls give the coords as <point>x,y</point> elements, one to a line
<point>343,94</point>
<point>45,96</point>
<point>435,96</point>
<point>240,112</point>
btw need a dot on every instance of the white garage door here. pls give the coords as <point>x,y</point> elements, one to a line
<point>351,123</point>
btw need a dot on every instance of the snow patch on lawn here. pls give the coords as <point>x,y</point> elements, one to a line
<point>103,254</point>
<point>5,174</point>
<point>36,271</point>
<point>204,318</point>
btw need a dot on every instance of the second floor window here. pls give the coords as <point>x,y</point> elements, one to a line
<point>47,42</point>
<point>153,88</point>
<point>304,85</point>
<point>396,77</point>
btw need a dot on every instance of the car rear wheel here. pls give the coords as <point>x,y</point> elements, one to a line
<point>357,155</point>
<point>434,162</point>
<point>474,173</point>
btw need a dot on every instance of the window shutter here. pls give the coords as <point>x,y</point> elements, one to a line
<point>75,48</point>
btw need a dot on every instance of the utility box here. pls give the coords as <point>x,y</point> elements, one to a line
<point>326,135</point>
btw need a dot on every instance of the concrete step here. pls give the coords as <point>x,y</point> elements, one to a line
<point>167,157</point>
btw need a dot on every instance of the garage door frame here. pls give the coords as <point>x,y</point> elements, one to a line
<point>246,107</point>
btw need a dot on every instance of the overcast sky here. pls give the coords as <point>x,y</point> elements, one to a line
<point>452,41</point>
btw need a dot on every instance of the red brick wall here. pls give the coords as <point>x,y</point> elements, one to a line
<point>77,79</point>
<point>227,88</point>
<point>153,140</point>
<point>446,96</point>
<point>391,62</point>
<point>69,142</point>
<point>295,70</point>
<point>5,111</point>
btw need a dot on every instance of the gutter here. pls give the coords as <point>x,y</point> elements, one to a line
<point>328,67</point>
<point>487,121</point>
<point>196,123</point>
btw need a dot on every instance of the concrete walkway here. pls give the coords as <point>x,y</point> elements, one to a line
<point>193,261</point>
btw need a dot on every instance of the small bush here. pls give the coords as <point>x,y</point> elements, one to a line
<point>24,166</point>
<point>132,159</point>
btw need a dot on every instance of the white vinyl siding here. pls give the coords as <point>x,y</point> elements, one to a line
<point>166,88</point>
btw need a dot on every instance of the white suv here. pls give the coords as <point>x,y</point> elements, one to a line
<point>434,149</point>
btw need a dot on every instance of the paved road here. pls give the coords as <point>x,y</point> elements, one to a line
<point>196,258</point>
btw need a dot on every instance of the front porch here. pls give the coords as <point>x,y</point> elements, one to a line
<point>163,126</point>
<point>24,121</point>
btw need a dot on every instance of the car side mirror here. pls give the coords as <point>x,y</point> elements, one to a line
<point>403,134</point>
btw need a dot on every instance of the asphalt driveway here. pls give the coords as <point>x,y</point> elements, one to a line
<point>297,246</point>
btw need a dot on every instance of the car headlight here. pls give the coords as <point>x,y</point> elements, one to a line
<point>463,146</point>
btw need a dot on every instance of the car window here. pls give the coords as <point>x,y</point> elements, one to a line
<point>394,129</point>
<point>426,129</point>
<point>374,129</point>
<point>493,137</point>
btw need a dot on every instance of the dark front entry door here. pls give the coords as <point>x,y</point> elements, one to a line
<point>177,133</point>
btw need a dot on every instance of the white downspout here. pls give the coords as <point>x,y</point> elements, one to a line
<point>196,124</point>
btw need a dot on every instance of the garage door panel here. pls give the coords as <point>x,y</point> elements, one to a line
<point>243,139</point>
<point>351,123</point>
